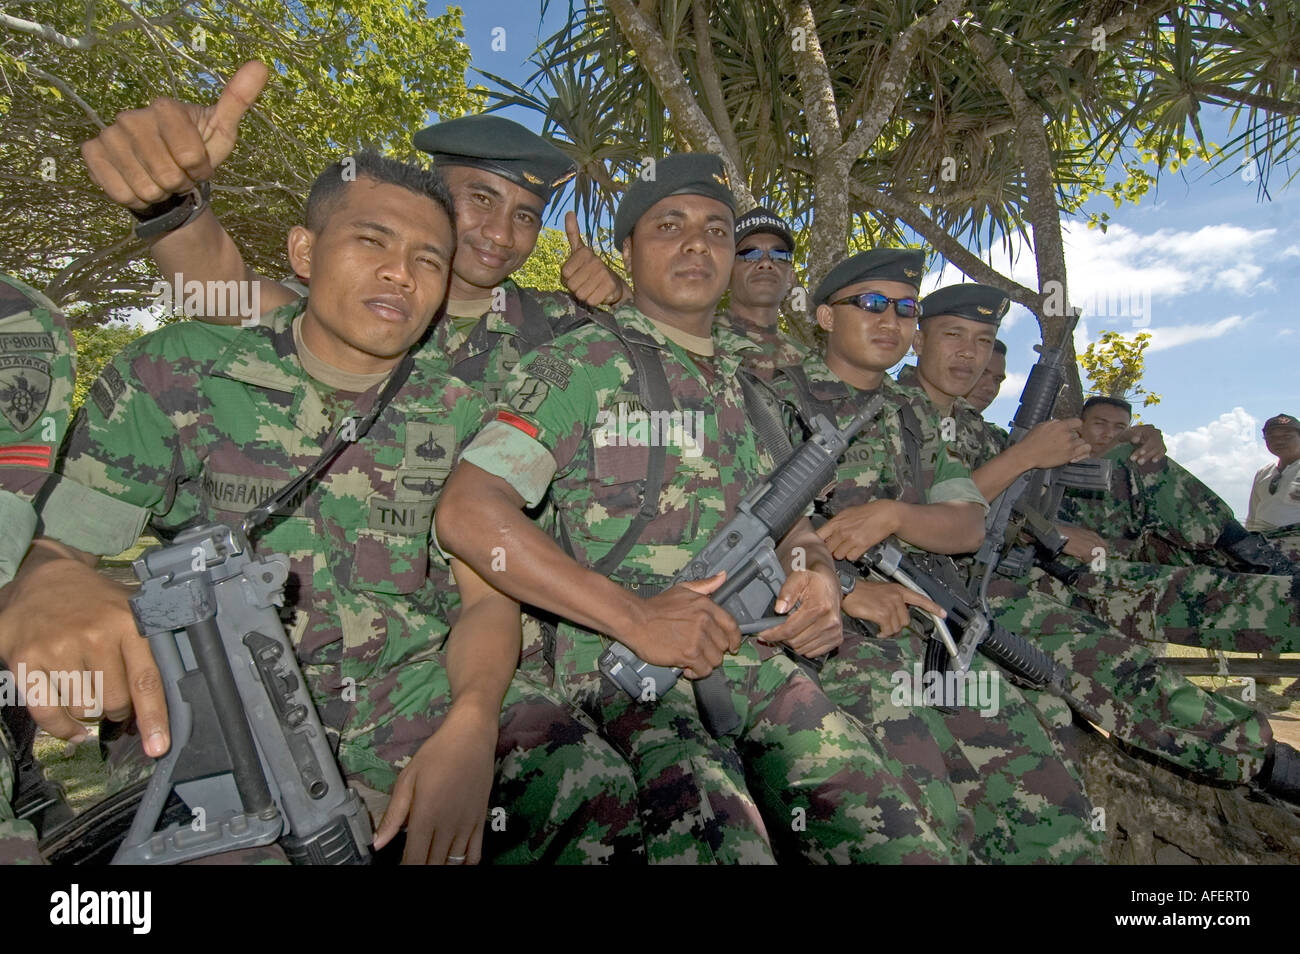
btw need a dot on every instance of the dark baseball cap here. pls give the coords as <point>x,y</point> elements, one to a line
<point>1282,420</point>
<point>759,219</point>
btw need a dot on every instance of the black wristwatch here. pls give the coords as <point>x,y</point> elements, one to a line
<point>171,213</point>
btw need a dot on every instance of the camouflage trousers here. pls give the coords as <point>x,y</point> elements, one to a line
<point>17,838</point>
<point>1191,605</point>
<point>800,780</point>
<point>1119,685</point>
<point>1015,796</point>
<point>567,797</point>
<point>1160,514</point>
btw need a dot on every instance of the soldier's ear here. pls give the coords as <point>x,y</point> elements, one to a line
<point>917,338</point>
<point>626,252</point>
<point>826,317</point>
<point>301,242</point>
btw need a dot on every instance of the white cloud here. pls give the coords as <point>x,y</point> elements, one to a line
<point>1225,454</point>
<point>1123,278</point>
<point>1175,335</point>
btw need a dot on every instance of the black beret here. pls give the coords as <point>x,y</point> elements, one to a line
<point>682,173</point>
<point>976,302</point>
<point>498,145</point>
<point>1282,420</point>
<point>883,264</point>
<point>759,219</point>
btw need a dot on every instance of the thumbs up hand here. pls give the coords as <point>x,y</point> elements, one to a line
<point>586,277</point>
<point>168,147</point>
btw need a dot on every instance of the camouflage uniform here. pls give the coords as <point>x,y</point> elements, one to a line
<point>776,349</point>
<point>566,427</point>
<point>1117,682</point>
<point>1155,512</point>
<point>484,357</point>
<point>37,377</point>
<point>1026,801</point>
<point>17,838</point>
<point>1196,602</point>
<point>200,423</point>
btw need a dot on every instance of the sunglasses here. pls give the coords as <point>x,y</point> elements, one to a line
<point>757,255</point>
<point>876,303</point>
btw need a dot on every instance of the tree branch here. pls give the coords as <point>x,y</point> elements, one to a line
<point>943,243</point>
<point>1228,96</point>
<point>889,91</point>
<point>69,92</point>
<point>821,117</point>
<point>711,82</point>
<point>671,85</point>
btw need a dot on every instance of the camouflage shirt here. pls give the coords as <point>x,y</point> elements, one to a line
<point>976,440</point>
<point>200,423</point>
<point>776,349</point>
<point>488,352</point>
<point>878,464</point>
<point>574,421</point>
<point>37,377</point>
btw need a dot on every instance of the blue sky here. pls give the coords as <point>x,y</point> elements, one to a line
<point>1204,266</point>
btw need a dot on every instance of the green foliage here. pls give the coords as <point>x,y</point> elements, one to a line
<point>96,346</point>
<point>542,270</point>
<point>1114,365</point>
<point>367,72</point>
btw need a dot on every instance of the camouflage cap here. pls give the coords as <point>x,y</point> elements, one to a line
<point>1282,420</point>
<point>982,303</point>
<point>905,265</point>
<point>681,173</point>
<point>499,146</point>
<point>759,219</point>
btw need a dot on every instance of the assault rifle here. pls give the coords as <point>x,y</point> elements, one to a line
<point>248,753</point>
<point>1033,499</point>
<point>745,548</point>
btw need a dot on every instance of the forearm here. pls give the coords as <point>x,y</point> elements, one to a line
<point>482,654</point>
<point>42,552</point>
<point>479,521</point>
<point>803,541</point>
<point>203,251</point>
<point>1001,472</point>
<point>947,527</point>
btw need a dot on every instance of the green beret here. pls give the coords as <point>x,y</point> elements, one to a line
<point>976,302</point>
<point>682,173</point>
<point>905,265</point>
<point>498,145</point>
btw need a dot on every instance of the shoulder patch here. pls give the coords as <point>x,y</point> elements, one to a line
<point>25,384</point>
<point>549,369</point>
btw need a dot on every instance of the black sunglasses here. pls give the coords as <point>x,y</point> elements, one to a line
<point>756,255</point>
<point>876,303</point>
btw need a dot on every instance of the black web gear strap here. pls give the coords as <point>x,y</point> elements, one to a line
<point>349,431</point>
<point>652,382</point>
<point>534,330</point>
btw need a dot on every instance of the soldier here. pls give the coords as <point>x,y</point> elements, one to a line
<point>761,279</point>
<point>987,387</point>
<point>37,376</point>
<point>1024,802</point>
<point>200,423</point>
<point>1156,511</point>
<point>826,791</point>
<point>1275,494</point>
<point>1115,682</point>
<point>501,177</point>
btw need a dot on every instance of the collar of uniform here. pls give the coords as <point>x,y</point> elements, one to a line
<point>264,354</point>
<point>727,345</point>
<point>909,376</point>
